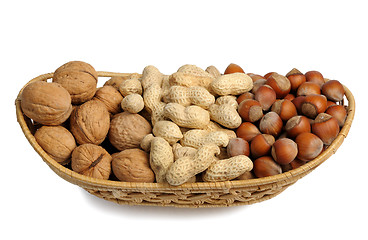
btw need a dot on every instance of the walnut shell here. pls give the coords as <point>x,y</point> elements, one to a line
<point>110,97</point>
<point>132,165</point>
<point>92,161</point>
<point>79,79</point>
<point>127,130</point>
<point>57,141</point>
<point>46,103</point>
<point>90,122</point>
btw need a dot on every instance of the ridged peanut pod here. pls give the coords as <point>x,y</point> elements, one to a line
<point>213,71</point>
<point>212,126</point>
<point>201,97</point>
<point>189,117</point>
<point>132,103</point>
<point>205,156</point>
<point>180,151</point>
<point>161,158</point>
<point>186,167</point>
<point>232,84</point>
<point>146,142</point>
<point>196,138</point>
<point>180,171</point>
<point>152,102</point>
<point>152,97</point>
<point>226,115</point>
<point>151,75</point>
<point>228,99</point>
<point>165,86</point>
<point>130,86</point>
<point>179,94</point>
<point>228,169</point>
<point>191,75</point>
<point>167,130</point>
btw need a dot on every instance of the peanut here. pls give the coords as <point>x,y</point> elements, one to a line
<point>191,75</point>
<point>167,130</point>
<point>132,103</point>
<point>130,86</point>
<point>232,84</point>
<point>196,138</point>
<point>189,117</point>
<point>228,169</point>
<point>186,167</point>
<point>226,115</point>
<point>161,157</point>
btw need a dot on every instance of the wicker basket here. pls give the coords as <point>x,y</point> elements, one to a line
<point>201,194</point>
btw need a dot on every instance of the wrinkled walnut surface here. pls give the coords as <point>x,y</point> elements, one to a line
<point>57,141</point>
<point>127,130</point>
<point>92,161</point>
<point>46,103</point>
<point>90,122</point>
<point>79,79</point>
<point>132,165</point>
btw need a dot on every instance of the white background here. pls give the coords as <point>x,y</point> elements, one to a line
<point>125,36</point>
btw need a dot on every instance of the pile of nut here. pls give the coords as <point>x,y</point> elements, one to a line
<point>193,125</point>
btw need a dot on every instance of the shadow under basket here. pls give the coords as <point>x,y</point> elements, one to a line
<point>200,194</point>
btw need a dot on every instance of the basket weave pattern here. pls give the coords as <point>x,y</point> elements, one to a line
<point>200,194</point>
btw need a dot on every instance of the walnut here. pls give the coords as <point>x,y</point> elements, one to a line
<point>90,122</point>
<point>111,97</point>
<point>127,130</point>
<point>46,103</point>
<point>79,78</point>
<point>132,165</point>
<point>57,141</point>
<point>92,161</point>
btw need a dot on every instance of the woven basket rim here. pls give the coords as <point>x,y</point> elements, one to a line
<point>80,179</point>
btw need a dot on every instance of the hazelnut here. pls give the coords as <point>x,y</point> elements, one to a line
<point>309,146</point>
<point>315,77</point>
<point>79,79</point>
<point>237,146</point>
<point>284,150</point>
<point>298,101</point>
<point>280,84</point>
<point>290,96</point>
<point>92,161</point>
<point>268,74</point>
<point>284,108</point>
<point>297,125</point>
<point>266,166</point>
<point>247,131</point>
<point>110,97</point>
<point>266,96</point>
<point>56,141</point>
<point>296,78</point>
<point>313,105</point>
<point>233,68</point>
<point>261,145</point>
<point>257,84</point>
<point>46,103</point>
<point>127,130</point>
<point>244,96</point>
<point>326,128</point>
<point>255,77</point>
<point>90,122</point>
<point>338,112</point>
<point>250,110</point>
<point>333,90</point>
<point>246,176</point>
<point>132,165</point>
<point>271,123</point>
<point>308,88</point>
